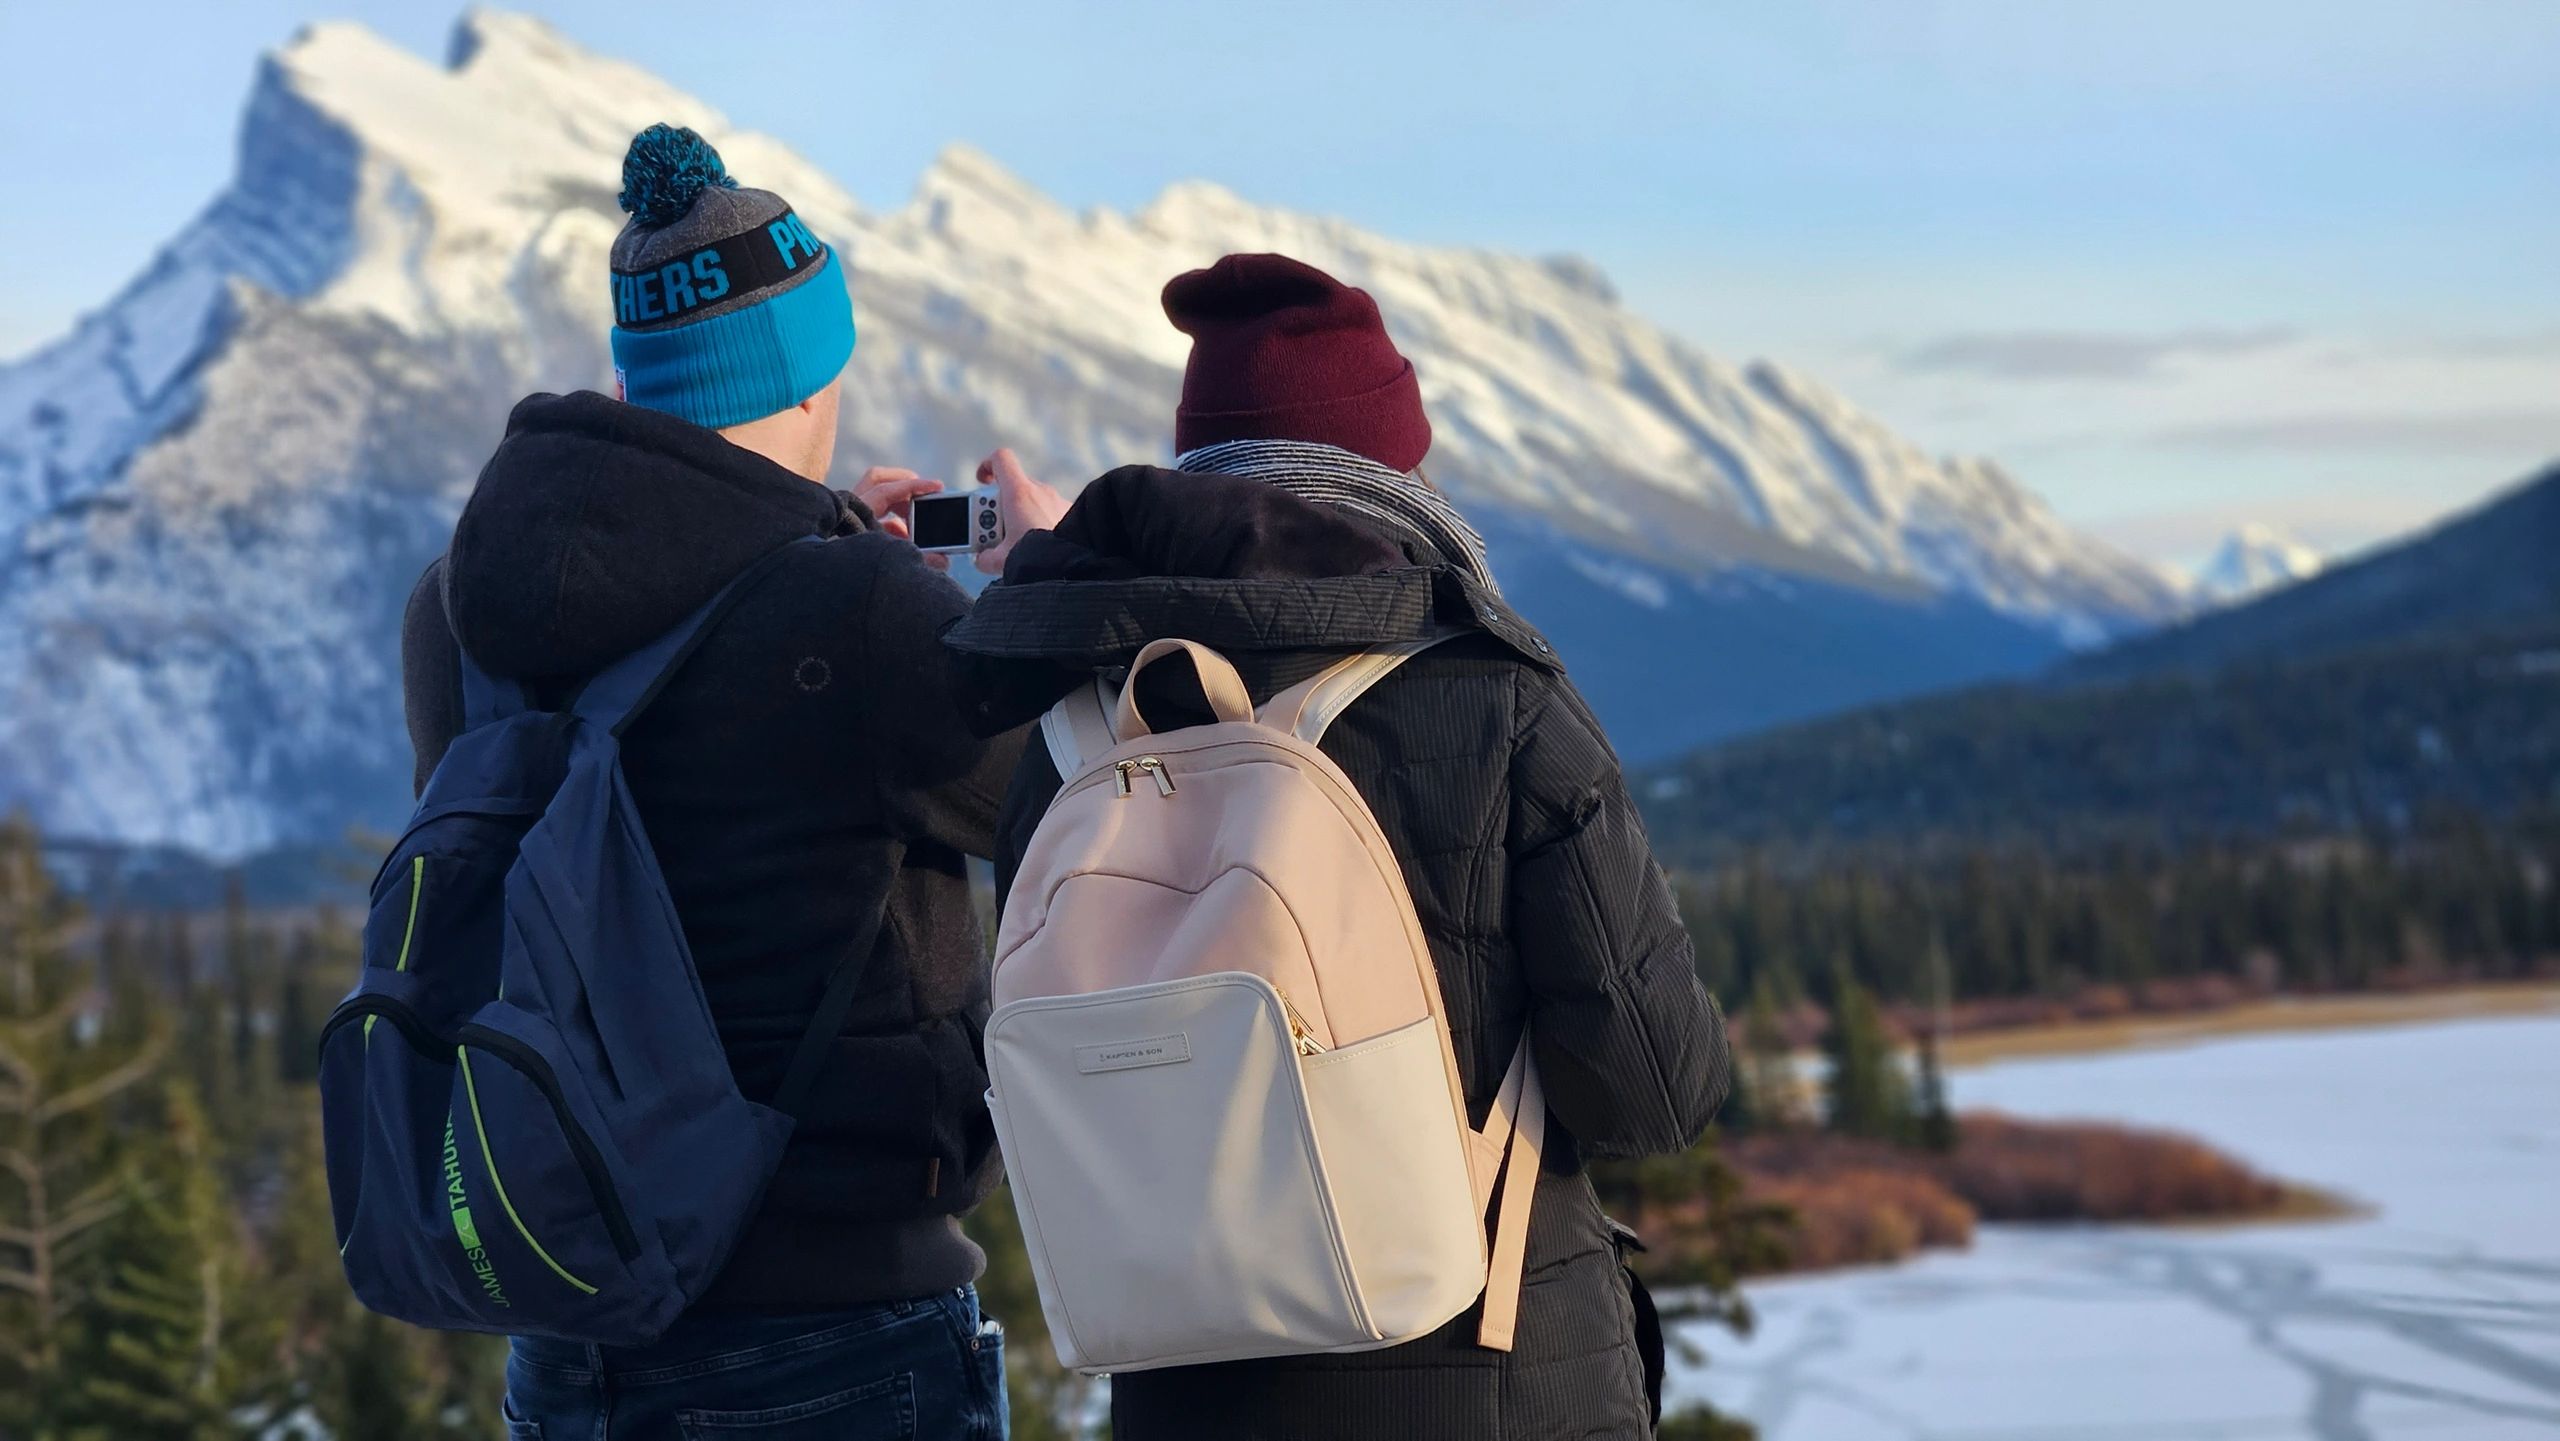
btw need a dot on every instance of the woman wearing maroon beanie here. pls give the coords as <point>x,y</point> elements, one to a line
<point>1296,528</point>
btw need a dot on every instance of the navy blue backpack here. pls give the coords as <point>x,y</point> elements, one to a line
<point>530,1123</point>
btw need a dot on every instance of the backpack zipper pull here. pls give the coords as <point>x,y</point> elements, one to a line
<point>1299,1030</point>
<point>1155,767</point>
<point>1120,777</point>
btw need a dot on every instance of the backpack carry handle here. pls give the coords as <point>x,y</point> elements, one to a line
<point>1228,699</point>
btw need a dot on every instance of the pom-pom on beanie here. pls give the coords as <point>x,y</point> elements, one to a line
<point>726,309</point>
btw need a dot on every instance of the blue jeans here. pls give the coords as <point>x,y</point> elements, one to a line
<point>925,1370</point>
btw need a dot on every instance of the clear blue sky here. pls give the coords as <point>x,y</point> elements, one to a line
<point>2177,264</point>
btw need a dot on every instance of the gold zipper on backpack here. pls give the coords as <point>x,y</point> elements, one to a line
<point>1299,1030</point>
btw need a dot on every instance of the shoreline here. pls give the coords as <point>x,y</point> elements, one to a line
<point>2271,1016</point>
<point>2285,1201</point>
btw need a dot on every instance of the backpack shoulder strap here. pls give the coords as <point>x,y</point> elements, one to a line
<point>486,698</point>
<point>617,695</point>
<point>1078,727</point>
<point>1519,1121</point>
<point>826,1023</point>
<point>1309,708</point>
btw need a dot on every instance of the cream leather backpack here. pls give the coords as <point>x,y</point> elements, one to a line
<point>1221,1068</point>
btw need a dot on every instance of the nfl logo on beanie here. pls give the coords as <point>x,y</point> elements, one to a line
<point>726,308</point>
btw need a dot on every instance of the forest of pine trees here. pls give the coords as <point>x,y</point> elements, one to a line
<point>2460,901</point>
<point>167,1267</point>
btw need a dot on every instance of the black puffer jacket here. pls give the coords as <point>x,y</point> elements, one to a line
<point>1525,858</point>
<point>806,769</point>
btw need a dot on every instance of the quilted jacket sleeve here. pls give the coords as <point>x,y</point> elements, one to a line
<point>1628,1042</point>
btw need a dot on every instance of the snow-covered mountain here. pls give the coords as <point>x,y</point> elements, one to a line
<point>2251,560</point>
<point>216,491</point>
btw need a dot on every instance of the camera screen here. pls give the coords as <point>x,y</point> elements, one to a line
<point>942,520</point>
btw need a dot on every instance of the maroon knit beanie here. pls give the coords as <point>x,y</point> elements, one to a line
<point>1282,351</point>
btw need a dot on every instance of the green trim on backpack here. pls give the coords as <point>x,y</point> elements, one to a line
<point>409,933</point>
<point>472,1090</point>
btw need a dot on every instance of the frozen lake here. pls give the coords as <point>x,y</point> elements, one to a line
<point>2437,1316</point>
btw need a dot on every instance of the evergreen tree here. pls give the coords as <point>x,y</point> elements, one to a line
<point>1766,1072</point>
<point>1708,1236</point>
<point>368,1385</point>
<point>175,942</point>
<point>470,1382</point>
<point>246,960</point>
<point>1934,1125</point>
<point>151,1358</point>
<point>1741,1112</point>
<point>1864,1086</point>
<point>297,1013</point>
<point>67,1087</point>
<point>132,999</point>
<point>1934,1122</point>
<point>208,1047</point>
<point>311,1327</point>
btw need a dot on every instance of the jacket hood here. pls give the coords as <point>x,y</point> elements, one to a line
<point>598,525</point>
<point>1238,565</point>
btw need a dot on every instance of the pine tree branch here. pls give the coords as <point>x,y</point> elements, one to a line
<point>19,1071</point>
<point>53,1018</point>
<point>77,1219</point>
<point>123,1078</point>
<point>23,1166</point>
<point>21,1281</point>
<point>209,1335</point>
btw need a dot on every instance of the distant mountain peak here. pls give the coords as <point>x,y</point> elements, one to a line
<point>482,30</point>
<point>2253,559</point>
<point>217,489</point>
<point>966,186</point>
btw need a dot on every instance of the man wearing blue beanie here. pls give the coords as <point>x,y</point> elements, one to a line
<point>726,309</point>
<point>806,780</point>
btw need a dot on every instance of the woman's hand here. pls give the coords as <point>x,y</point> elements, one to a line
<point>1028,505</point>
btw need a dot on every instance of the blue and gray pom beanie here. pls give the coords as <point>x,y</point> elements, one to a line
<point>726,309</point>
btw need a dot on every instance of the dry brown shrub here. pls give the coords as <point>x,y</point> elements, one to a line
<point>2013,1170</point>
<point>1854,1202</point>
<point>1860,1201</point>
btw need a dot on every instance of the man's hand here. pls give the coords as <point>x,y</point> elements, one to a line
<point>890,493</point>
<point>1028,505</point>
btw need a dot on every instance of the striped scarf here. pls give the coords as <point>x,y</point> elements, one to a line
<point>1329,475</point>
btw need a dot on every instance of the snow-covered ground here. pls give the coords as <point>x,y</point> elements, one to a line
<point>2436,1316</point>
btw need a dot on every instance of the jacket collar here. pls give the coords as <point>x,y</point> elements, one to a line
<point>1234,564</point>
